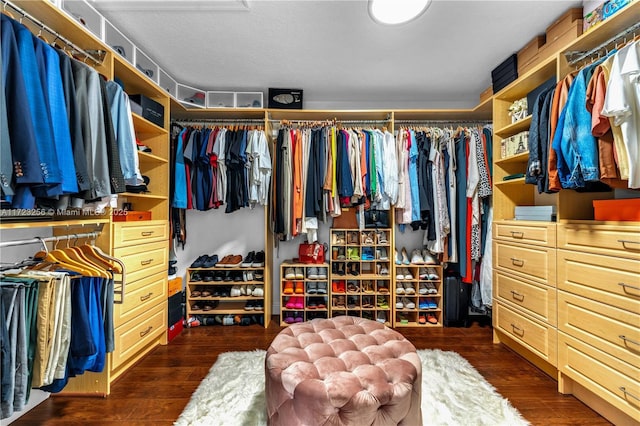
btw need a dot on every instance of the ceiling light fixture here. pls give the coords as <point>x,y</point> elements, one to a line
<point>392,12</point>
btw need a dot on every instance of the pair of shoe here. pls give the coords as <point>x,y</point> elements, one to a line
<point>339,302</point>
<point>382,287</point>
<point>353,253</point>
<point>381,253</point>
<point>337,238</point>
<point>338,287</point>
<point>382,302</point>
<point>314,273</point>
<point>428,274</point>
<point>404,274</point>
<point>367,302</point>
<point>294,302</point>
<point>368,253</point>
<point>230,261</point>
<point>427,303</point>
<point>381,236</point>
<point>427,288</point>
<point>368,238</point>
<point>404,260</point>
<point>205,261</point>
<point>352,302</point>
<point>316,303</point>
<point>293,317</point>
<point>293,287</point>
<point>381,317</point>
<point>293,274</point>
<point>382,269</point>
<point>352,287</point>
<point>317,288</point>
<point>254,305</point>
<point>367,286</point>
<point>428,318</point>
<point>253,260</point>
<point>405,288</point>
<point>405,303</point>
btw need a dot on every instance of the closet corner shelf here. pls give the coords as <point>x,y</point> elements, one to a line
<point>518,158</point>
<point>56,222</point>
<point>514,128</point>
<point>512,182</point>
<point>529,81</point>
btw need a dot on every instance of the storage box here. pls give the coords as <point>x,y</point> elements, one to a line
<point>217,99</point>
<point>529,51</point>
<point>174,330</point>
<point>563,24</point>
<point>191,97</point>
<point>174,286</point>
<point>515,144</point>
<point>149,109</point>
<point>175,308</point>
<point>249,100</point>
<point>540,213</point>
<point>623,210</point>
<point>86,15</point>
<point>168,84</point>
<point>118,41</point>
<point>611,7</point>
<point>285,98</point>
<point>130,216</point>
<point>559,43</point>
<point>591,14</point>
<point>505,73</point>
<point>146,66</point>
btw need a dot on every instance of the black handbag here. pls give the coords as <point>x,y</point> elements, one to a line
<point>374,218</point>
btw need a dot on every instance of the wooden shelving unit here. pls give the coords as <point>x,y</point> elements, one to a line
<point>304,291</point>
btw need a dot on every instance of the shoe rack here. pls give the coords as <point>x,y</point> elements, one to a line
<point>304,292</point>
<point>227,293</point>
<point>361,274</point>
<point>418,295</point>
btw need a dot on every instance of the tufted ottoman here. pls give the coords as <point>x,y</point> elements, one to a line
<point>342,371</point>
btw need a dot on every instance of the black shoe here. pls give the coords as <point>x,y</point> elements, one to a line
<point>237,276</point>
<point>195,276</point>
<point>207,277</point>
<point>210,261</point>
<point>248,261</point>
<point>218,276</point>
<point>199,261</point>
<point>258,260</point>
<point>228,276</point>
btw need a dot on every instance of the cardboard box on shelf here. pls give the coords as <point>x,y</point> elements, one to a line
<point>530,50</point>
<point>591,13</point>
<point>563,24</point>
<point>175,286</point>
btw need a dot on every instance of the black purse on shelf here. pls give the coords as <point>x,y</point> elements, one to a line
<point>374,218</point>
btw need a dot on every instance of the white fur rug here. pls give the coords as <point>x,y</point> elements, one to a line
<point>453,393</point>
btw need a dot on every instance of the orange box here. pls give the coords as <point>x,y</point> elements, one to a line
<point>130,216</point>
<point>627,209</point>
<point>563,24</point>
<point>175,286</point>
<point>529,51</point>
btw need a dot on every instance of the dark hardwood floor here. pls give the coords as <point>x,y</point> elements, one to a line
<point>156,390</point>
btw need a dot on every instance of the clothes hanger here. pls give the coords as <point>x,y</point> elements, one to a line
<point>6,12</point>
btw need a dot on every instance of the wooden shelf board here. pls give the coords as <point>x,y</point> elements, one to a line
<point>185,114</point>
<point>144,126</point>
<point>482,112</point>
<point>135,82</point>
<point>320,115</point>
<point>143,195</point>
<point>514,128</point>
<point>59,222</point>
<point>529,81</point>
<point>146,157</point>
<point>518,181</point>
<point>518,158</point>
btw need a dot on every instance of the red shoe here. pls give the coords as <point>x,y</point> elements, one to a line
<point>288,288</point>
<point>341,287</point>
<point>299,287</point>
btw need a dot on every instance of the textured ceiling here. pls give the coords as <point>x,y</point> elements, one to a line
<point>333,50</point>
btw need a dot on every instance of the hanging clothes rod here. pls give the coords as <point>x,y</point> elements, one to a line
<point>576,56</point>
<point>43,240</point>
<point>430,122</point>
<point>73,46</point>
<point>188,122</point>
<point>332,121</point>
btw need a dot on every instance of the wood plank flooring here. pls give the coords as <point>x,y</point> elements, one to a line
<point>156,390</point>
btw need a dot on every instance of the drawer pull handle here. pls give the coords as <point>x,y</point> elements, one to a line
<point>517,234</point>
<point>517,262</point>
<point>626,392</point>
<point>623,337</point>
<point>146,233</point>
<point>146,297</point>
<point>517,295</point>
<point>144,333</point>
<point>629,286</point>
<point>624,242</point>
<point>517,330</point>
<point>146,262</point>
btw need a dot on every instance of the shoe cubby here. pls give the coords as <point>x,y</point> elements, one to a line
<point>361,274</point>
<point>304,292</point>
<point>218,295</point>
<point>417,295</point>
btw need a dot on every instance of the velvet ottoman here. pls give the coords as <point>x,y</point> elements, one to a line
<point>342,371</point>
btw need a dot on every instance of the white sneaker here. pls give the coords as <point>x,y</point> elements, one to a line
<point>399,288</point>
<point>432,274</point>
<point>408,303</point>
<point>384,270</point>
<point>299,275</point>
<point>399,304</point>
<point>289,274</point>
<point>243,290</point>
<point>399,274</point>
<point>407,274</point>
<point>423,289</point>
<point>312,273</point>
<point>424,274</point>
<point>249,275</point>
<point>235,291</point>
<point>408,288</point>
<point>322,273</point>
<point>381,316</point>
<point>258,291</point>
<point>416,257</point>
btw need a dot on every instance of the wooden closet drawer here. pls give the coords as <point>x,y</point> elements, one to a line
<point>609,329</point>
<point>541,234</point>
<point>610,280</point>
<point>128,233</point>
<point>139,300</point>
<point>613,240</point>
<point>538,337</point>
<point>536,263</point>
<point>600,373</point>
<point>144,259</point>
<point>536,299</point>
<point>135,335</point>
